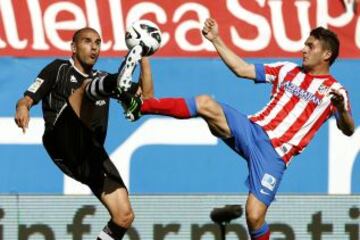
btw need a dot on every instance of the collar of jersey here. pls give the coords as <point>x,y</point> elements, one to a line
<point>73,64</point>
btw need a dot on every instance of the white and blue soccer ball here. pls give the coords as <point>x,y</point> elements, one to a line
<point>144,33</point>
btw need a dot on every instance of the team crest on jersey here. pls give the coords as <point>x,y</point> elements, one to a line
<point>323,89</point>
<point>35,85</point>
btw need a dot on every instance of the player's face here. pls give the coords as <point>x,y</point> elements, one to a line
<point>86,49</point>
<point>313,53</point>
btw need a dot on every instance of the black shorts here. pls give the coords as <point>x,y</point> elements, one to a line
<point>75,150</point>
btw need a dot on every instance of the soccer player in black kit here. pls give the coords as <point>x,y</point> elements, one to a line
<point>75,105</point>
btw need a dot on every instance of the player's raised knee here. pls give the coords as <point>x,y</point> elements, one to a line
<point>124,218</point>
<point>204,103</point>
<point>255,219</point>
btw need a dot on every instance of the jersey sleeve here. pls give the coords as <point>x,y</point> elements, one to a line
<point>268,73</point>
<point>44,82</point>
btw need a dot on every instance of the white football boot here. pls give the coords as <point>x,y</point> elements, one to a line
<point>124,79</point>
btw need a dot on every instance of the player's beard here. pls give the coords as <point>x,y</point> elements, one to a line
<point>87,62</point>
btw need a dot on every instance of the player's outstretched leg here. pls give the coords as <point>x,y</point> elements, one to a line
<point>105,85</point>
<point>180,108</point>
<point>126,88</point>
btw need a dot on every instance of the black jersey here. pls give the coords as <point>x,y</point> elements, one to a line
<point>55,83</point>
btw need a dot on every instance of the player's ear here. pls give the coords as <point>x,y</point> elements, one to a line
<point>73,47</point>
<point>327,54</point>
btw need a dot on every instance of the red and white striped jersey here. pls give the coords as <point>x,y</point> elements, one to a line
<point>299,105</point>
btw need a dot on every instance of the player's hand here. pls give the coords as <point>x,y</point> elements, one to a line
<point>210,29</point>
<point>22,117</point>
<point>337,99</point>
<point>138,92</point>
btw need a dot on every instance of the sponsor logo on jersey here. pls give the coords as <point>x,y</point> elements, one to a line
<point>268,181</point>
<point>300,93</point>
<point>35,85</point>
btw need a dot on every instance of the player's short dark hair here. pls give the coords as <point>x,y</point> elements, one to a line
<point>78,32</point>
<point>329,41</point>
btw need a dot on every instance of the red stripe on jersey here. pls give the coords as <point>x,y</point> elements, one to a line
<point>274,71</point>
<point>301,120</point>
<point>287,157</point>
<point>308,136</point>
<point>289,77</point>
<point>289,106</point>
<point>268,108</point>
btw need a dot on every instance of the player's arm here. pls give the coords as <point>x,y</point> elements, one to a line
<point>22,115</point>
<point>236,64</point>
<point>37,90</point>
<point>146,81</point>
<point>344,119</point>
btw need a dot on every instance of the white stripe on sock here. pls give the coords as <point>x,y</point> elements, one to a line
<point>89,92</point>
<point>101,85</point>
<point>104,236</point>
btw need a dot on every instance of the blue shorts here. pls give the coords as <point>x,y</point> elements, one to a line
<point>250,141</point>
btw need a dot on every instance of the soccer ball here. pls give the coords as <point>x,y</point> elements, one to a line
<point>144,33</point>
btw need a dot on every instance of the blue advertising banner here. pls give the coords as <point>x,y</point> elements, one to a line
<point>163,155</point>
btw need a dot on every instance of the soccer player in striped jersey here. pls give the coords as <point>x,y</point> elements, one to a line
<point>302,99</point>
<point>75,103</point>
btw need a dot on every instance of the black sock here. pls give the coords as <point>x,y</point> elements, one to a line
<point>110,83</point>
